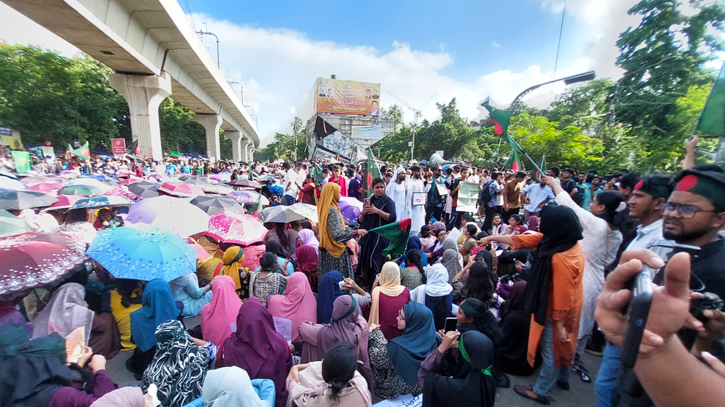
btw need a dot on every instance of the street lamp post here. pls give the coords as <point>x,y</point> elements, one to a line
<point>202,32</point>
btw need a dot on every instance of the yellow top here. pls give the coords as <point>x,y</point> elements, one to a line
<point>122,316</point>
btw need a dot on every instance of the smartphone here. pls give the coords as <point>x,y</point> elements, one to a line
<point>367,201</point>
<point>451,324</point>
<point>341,284</point>
<point>637,314</point>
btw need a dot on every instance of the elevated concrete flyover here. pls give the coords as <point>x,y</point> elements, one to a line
<point>156,54</point>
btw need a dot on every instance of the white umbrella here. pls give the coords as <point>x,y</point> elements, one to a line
<point>9,183</point>
<point>92,182</point>
<point>175,214</point>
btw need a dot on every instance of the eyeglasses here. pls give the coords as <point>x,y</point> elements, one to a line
<point>683,211</point>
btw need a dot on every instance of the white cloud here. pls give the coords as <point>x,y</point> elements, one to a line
<point>495,44</point>
<point>18,29</point>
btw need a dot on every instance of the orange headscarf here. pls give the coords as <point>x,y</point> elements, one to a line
<point>328,199</point>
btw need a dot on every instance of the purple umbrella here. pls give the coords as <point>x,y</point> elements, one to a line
<point>350,209</point>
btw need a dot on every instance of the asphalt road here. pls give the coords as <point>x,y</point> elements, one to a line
<point>580,395</point>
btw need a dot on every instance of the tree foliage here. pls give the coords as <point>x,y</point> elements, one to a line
<point>283,145</point>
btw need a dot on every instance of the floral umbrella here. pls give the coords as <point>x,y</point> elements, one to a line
<point>247,196</point>
<point>174,214</point>
<point>236,227</point>
<point>46,187</point>
<point>180,189</point>
<point>306,210</point>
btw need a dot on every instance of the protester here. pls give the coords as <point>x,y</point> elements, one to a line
<point>268,280</point>
<point>436,294</point>
<point>479,284</point>
<point>397,191</point>
<point>413,274</point>
<point>232,387</point>
<point>307,262</point>
<point>491,206</point>
<point>535,197</point>
<point>232,259</point>
<point>284,237</point>
<point>123,300</point>
<point>76,224</point>
<point>329,291</point>
<point>415,200</point>
<point>298,304</point>
<point>515,321</point>
<point>221,312</point>
<point>307,237</point>
<point>284,260</point>
<point>334,233</point>
<point>380,211</point>
<point>435,201</point>
<point>511,195</point>
<point>387,299</point>
<point>186,290</point>
<point>427,240</point>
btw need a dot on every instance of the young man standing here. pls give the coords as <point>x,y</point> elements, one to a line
<point>338,179</point>
<point>455,220</point>
<point>569,185</point>
<point>415,210</point>
<point>434,206</point>
<point>290,185</point>
<point>494,190</point>
<point>512,196</point>
<point>535,196</point>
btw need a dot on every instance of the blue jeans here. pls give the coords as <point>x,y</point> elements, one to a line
<point>549,374</point>
<point>288,200</point>
<point>606,383</point>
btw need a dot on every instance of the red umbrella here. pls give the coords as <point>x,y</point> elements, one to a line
<point>65,202</point>
<point>46,187</point>
<point>130,180</point>
<point>180,189</point>
<point>33,260</point>
<point>236,227</point>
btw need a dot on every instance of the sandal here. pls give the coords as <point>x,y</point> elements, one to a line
<point>525,392</point>
<point>583,372</point>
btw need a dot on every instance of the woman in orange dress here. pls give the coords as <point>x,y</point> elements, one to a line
<point>554,297</point>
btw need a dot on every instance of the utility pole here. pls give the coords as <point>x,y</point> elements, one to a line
<point>295,128</point>
<point>417,115</point>
<point>202,32</point>
<point>241,89</point>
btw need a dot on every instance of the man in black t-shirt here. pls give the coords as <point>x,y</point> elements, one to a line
<point>569,185</point>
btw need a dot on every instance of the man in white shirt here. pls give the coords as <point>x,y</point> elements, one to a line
<point>415,210</point>
<point>535,197</point>
<point>290,184</point>
<point>645,204</point>
<point>396,191</point>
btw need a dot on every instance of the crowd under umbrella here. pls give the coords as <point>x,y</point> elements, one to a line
<point>350,208</point>
<point>102,202</point>
<point>122,192</point>
<point>32,260</point>
<point>181,189</point>
<point>9,183</point>
<point>11,225</point>
<point>237,228</point>
<point>83,190</point>
<point>306,210</point>
<point>176,215</point>
<point>42,179</point>
<point>46,187</point>
<point>100,177</point>
<point>248,197</point>
<point>162,255</point>
<point>240,182</point>
<point>144,189</point>
<point>279,214</point>
<point>19,200</point>
<point>103,186</point>
<point>216,204</point>
<point>64,202</point>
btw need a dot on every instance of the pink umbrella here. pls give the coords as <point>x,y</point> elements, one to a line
<point>46,187</point>
<point>65,202</point>
<point>130,180</point>
<point>236,227</point>
<point>201,252</point>
<point>180,189</point>
<point>121,191</point>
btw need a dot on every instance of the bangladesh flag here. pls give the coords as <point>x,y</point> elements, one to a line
<point>513,162</point>
<point>316,173</point>
<point>712,118</point>
<point>133,148</point>
<point>542,166</point>
<point>397,233</point>
<point>500,119</point>
<point>83,152</point>
<point>22,160</point>
<point>372,171</point>
<point>256,208</point>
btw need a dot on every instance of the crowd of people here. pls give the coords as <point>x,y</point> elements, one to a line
<point>319,313</point>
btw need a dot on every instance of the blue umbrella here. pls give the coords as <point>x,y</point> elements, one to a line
<point>143,254</point>
<point>101,202</point>
<point>101,177</point>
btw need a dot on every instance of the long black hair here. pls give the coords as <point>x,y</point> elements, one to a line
<point>338,367</point>
<point>480,283</point>
<point>415,256</point>
<point>424,231</point>
<point>614,214</point>
<point>126,288</point>
<point>279,228</point>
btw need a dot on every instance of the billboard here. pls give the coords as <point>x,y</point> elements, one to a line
<point>10,138</point>
<point>346,97</point>
<point>367,132</point>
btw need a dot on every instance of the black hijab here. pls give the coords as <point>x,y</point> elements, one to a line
<point>562,230</point>
<point>274,247</point>
<point>477,388</point>
<point>373,243</point>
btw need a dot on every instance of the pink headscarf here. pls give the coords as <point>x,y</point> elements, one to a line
<point>221,312</point>
<point>298,304</point>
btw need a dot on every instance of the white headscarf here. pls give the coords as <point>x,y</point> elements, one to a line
<point>65,312</point>
<point>437,284</point>
<point>230,387</point>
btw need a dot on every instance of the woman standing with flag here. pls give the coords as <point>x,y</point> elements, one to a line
<point>333,234</point>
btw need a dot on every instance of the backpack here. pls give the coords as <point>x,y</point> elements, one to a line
<point>484,196</point>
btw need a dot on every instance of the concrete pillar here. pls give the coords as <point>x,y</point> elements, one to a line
<point>245,149</point>
<point>237,150</point>
<point>144,94</point>
<point>250,151</point>
<point>211,123</point>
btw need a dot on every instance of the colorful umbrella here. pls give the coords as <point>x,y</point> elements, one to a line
<point>147,254</point>
<point>91,182</point>
<point>279,214</point>
<point>176,215</point>
<point>19,200</point>
<point>240,182</point>
<point>144,189</point>
<point>194,180</point>
<point>217,189</point>
<point>123,192</point>
<point>84,190</point>
<point>237,228</point>
<point>180,189</point>
<point>247,196</point>
<point>102,202</point>
<point>11,225</point>
<point>350,208</point>
<point>40,180</point>
<point>130,180</point>
<point>9,183</point>
<point>31,260</point>
<point>46,187</point>
<point>101,177</point>
<point>201,252</point>
<point>306,210</point>
<point>64,202</point>
<point>216,204</point>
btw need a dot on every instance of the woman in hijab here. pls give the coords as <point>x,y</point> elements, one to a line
<point>306,237</point>
<point>307,262</point>
<point>438,225</point>
<point>298,304</point>
<point>233,258</point>
<point>268,279</point>
<point>157,306</point>
<point>388,299</point>
<point>326,296</point>
<point>67,311</point>
<point>186,290</point>
<point>258,348</point>
<point>413,274</point>
<point>380,211</point>
<point>449,260</point>
<point>334,382</point>
<point>179,366</point>
<point>395,364</point>
<point>217,316</point>
<point>515,322</point>
<point>476,387</point>
<point>123,397</point>
<point>346,325</point>
<point>231,387</point>
<point>286,238</point>
<point>284,260</point>
<point>553,294</point>
<point>532,223</point>
<point>334,233</point>
<point>436,294</point>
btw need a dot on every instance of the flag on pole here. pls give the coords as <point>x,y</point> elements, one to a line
<point>712,117</point>
<point>133,148</point>
<point>372,172</point>
<point>256,208</point>
<point>500,119</point>
<point>83,152</point>
<point>513,162</point>
<point>397,233</point>
<point>22,160</point>
<point>542,165</point>
<point>250,173</point>
<point>316,173</point>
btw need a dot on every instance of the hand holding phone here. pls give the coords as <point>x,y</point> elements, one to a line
<point>451,324</point>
